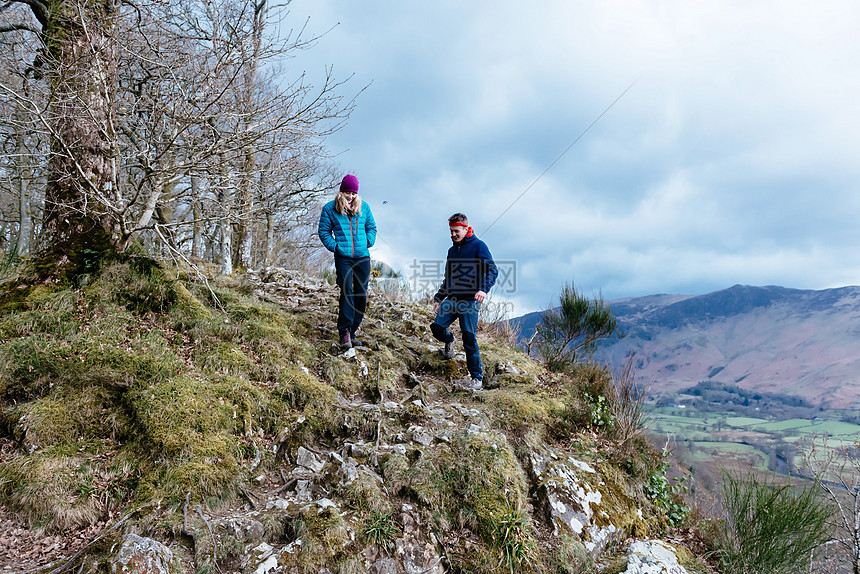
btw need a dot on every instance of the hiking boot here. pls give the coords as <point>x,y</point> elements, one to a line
<point>345,341</point>
<point>355,342</point>
<point>468,384</point>
<point>448,351</point>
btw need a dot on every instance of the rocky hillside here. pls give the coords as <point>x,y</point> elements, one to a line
<point>154,421</point>
<point>766,339</point>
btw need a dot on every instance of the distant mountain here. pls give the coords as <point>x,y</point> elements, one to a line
<point>795,342</point>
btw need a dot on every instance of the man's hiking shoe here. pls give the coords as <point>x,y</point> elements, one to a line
<point>345,341</point>
<point>448,351</point>
<point>467,384</point>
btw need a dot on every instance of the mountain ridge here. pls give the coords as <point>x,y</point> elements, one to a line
<point>795,341</point>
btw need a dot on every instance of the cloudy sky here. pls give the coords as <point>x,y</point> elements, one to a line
<point>733,158</point>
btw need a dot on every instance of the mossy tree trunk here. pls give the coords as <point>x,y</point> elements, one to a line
<point>197,213</point>
<point>81,184</point>
<point>251,62</point>
<point>25,176</point>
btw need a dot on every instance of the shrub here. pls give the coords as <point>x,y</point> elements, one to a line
<point>769,528</point>
<point>627,405</point>
<point>571,331</point>
<point>667,494</point>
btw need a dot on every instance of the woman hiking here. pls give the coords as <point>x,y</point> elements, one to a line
<point>347,229</point>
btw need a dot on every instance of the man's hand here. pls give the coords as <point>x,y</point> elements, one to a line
<point>480,296</point>
<point>435,306</point>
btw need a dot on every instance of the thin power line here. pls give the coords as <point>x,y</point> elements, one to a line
<point>585,131</point>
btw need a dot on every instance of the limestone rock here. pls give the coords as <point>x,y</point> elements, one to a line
<point>506,367</point>
<point>261,559</point>
<point>349,353</point>
<point>309,460</point>
<point>652,557</point>
<point>570,500</point>
<point>384,566</point>
<point>417,548</point>
<point>420,435</point>
<point>241,529</point>
<point>139,555</point>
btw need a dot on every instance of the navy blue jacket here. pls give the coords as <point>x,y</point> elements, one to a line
<point>470,268</point>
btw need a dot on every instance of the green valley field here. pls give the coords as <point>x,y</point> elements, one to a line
<point>706,438</point>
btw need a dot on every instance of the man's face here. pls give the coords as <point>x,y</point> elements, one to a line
<point>458,233</point>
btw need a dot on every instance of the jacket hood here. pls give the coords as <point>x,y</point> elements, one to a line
<point>466,240</point>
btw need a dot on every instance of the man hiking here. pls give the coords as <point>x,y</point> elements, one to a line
<point>470,273</point>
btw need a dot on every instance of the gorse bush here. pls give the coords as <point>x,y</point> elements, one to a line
<point>571,331</point>
<point>769,528</point>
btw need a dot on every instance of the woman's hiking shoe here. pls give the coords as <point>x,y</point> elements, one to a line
<point>345,341</point>
<point>355,342</point>
<point>448,351</point>
<point>467,384</point>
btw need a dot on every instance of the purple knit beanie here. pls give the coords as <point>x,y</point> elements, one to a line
<point>349,183</point>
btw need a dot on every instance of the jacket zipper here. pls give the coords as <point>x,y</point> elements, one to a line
<point>352,234</point>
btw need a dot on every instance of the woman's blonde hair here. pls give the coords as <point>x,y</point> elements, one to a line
<point>341,205</point>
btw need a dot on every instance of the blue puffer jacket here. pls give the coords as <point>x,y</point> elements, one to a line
<point>345,235</point>
<point>470,268</point>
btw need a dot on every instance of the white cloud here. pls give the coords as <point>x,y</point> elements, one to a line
<point>731,160</point>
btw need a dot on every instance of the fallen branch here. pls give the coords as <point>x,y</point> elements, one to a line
<point>211,534</point>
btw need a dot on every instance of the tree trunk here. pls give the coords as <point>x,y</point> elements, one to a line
<point>270,237</point>
<point>24,178</point>
<point>196,213</point>
<point>245,222</point>
<point>225,228</point>
<point>226,246</point>
<point>77,220</point>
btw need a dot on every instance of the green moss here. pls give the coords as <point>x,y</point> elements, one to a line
<point>513,410</point>
<point>305,394</point>
<point>197,435</point>
<point>365,493</point>
<point>326,537</point>
<point>474,481</point>
<point>139,284</point>
<point>223,357</point>
<point>67,416</point>
<point>200,411</point>
<point>70,486</point>
<point>96,354</point>
<point>25,368</point>
<point>342,374</point>
<point>13,294</point>
<point>569,557</point>
<point>620,502</point>
<point>433,363</point>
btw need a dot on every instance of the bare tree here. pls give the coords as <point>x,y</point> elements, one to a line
<point>19,134</point>
<point>837,473</point>
<point>174,128</point>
